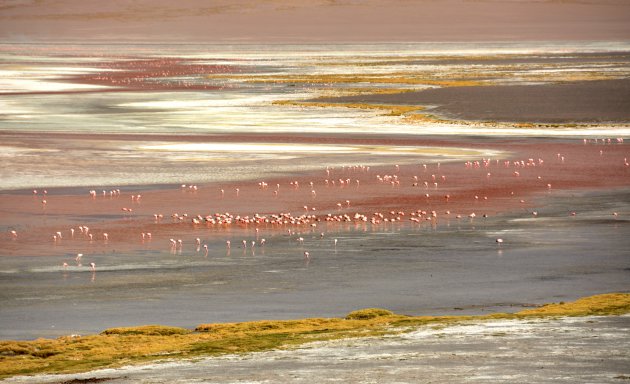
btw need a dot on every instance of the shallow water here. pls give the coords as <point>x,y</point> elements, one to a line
<point>37,82</point>
<point>453,268</point>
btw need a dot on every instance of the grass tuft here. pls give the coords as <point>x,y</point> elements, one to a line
<point>147,330</point>
<point>369,313</point>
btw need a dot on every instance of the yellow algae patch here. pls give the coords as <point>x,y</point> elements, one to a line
<point>410,113</point>
<point>389,78</point>
<point>339,92</point>
<point>133,345</point>
<point>393,110</point>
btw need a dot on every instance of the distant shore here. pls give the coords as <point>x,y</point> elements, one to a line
<point>599,101</point>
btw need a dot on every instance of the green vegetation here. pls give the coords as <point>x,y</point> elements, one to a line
<point>148,330</point>
<point>599,305</point>
<point>133,345</point>
<point>368,314</point>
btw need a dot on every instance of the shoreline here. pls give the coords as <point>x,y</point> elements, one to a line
<point>145,344</point>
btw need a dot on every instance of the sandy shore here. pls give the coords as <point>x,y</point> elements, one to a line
<point>576,102</point>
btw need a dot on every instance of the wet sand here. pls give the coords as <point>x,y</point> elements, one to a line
<point>576,102</point>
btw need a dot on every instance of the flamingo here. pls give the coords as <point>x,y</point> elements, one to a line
<point>93,267</point>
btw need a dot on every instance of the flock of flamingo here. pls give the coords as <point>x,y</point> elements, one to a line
<point>430,182</point>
